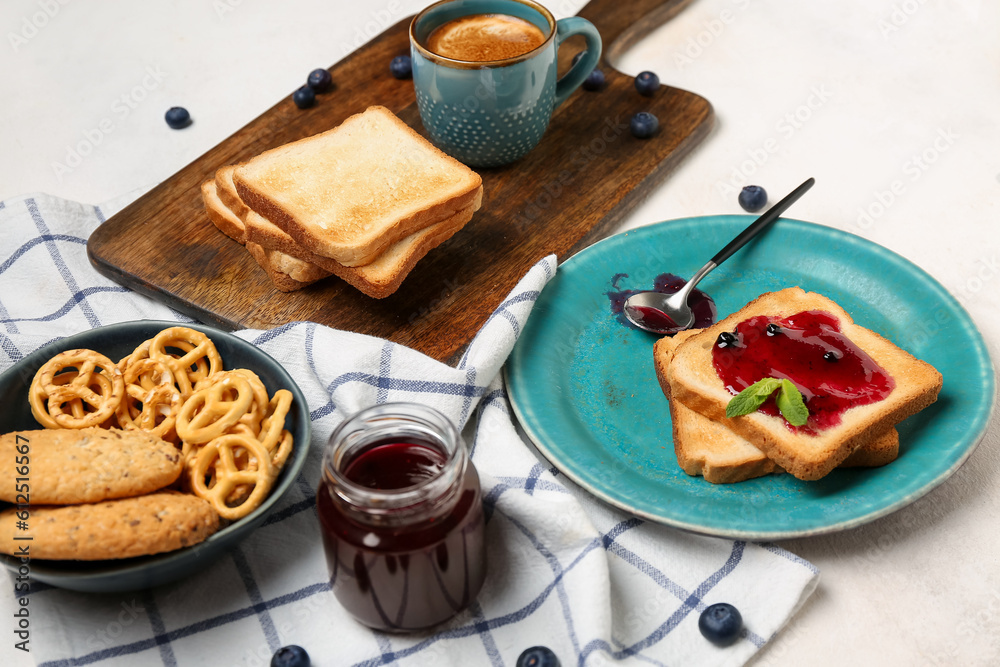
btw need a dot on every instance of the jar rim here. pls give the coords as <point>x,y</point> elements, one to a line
<point>368,426</point>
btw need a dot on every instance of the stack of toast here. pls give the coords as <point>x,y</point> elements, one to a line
<point>725,450</point>
<point>364,201</point>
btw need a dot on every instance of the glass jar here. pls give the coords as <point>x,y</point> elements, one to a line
<point>401,516</point>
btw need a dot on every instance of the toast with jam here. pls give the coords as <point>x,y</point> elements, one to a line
<point>855,384</point>
<point>711,450</point>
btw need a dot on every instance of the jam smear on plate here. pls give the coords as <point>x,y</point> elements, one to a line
<point>809,349</point>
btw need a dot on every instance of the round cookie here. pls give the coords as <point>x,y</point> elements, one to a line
<point>111,529</point>
<point>72,466</point>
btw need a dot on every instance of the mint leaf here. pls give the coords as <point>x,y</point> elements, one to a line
<point>752,397</point>
<point>789,400</point>
<point>791,405</point>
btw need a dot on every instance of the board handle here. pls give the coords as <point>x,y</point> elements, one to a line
<point>622,24</point>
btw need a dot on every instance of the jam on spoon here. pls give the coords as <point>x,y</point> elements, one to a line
<point>666,283</point>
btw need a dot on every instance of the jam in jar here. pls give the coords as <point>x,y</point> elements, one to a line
<point>401,516</point>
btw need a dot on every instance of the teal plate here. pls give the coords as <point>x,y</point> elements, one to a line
<point>583,386</point>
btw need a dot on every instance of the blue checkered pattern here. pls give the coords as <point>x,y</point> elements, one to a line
<point>595,585</point>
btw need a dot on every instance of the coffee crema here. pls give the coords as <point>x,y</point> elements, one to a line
<point>484,38</point>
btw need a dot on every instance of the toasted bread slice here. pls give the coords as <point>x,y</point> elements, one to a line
<point>378,279</point>
<point>351,192</point>
<point>286,272</point>
<point>227,191</point>
<point>710,449</point>
<point>221,215</point>
<point>694,382</point>
<point>293,270</point>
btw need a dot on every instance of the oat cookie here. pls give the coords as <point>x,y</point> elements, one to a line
<point>123,528</point>
<point>72,466</point>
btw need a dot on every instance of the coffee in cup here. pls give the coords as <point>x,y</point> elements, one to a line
<point>485,38</point>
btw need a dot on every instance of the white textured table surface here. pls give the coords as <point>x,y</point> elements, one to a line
<point>890,104</point>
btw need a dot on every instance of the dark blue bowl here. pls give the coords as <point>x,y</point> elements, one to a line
<point>116,341</point>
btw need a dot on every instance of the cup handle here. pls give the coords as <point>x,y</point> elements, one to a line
<point>567,27</point>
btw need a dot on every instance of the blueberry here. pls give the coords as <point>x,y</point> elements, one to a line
<point>177,117</point>
<point>401,67</point>
<point>594,80</point>
<point>720,624</point>
<point>319,80</point>
<point>773,329</point>
<point>644,125</point>
<point>537,656</point>
<point>831,356</point>
<point>647,83</point>
<point>290,656</point>
<point>304,97</point>
<point>726,339</point>
<point>752,198</point>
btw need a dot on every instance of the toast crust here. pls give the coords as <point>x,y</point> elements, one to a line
<point>378,279</point>
<point>221,216</point>
<point>694,382</point>
<point>287,273</point>
<point>709,449</point>
<point>227,191</point>
<point>351,192</point>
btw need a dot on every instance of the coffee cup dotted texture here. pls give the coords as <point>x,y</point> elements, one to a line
<point>486,137</point>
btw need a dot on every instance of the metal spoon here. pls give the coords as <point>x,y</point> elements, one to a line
<point>670,313</point>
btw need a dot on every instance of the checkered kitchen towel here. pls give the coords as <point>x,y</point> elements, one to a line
<point>594,584</point>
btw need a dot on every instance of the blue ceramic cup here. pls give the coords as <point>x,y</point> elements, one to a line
<point>489,113</point>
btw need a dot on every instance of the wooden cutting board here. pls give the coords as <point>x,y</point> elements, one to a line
<point>573,189</point>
